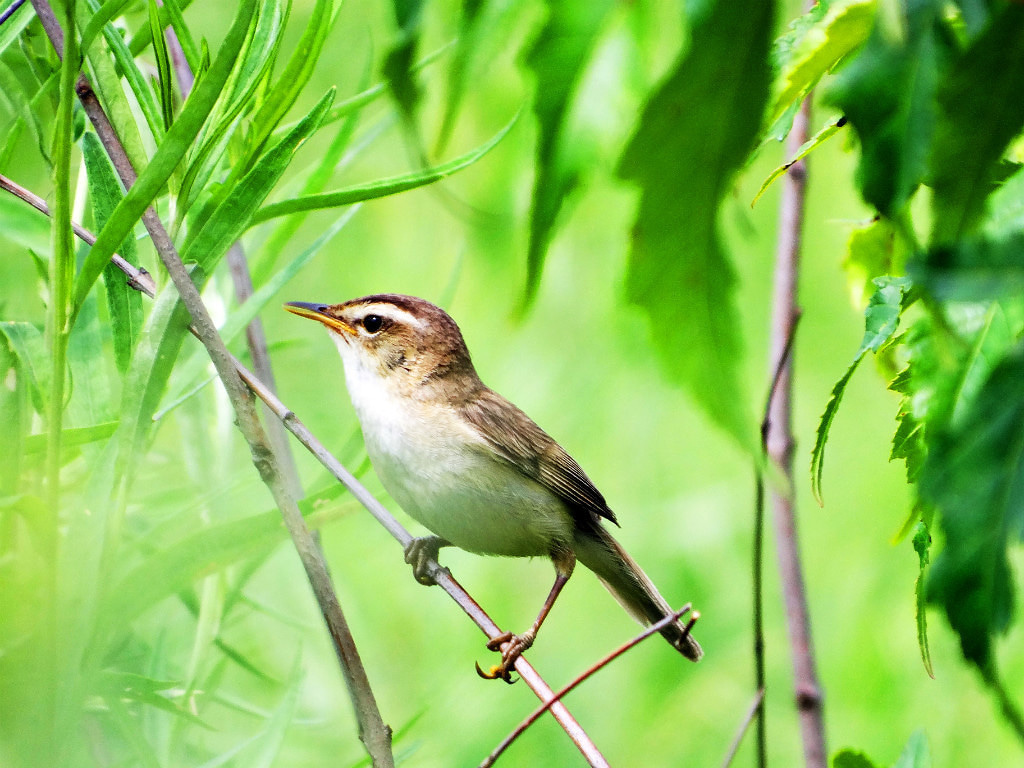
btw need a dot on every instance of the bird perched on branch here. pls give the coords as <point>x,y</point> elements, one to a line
<point>469,465</point>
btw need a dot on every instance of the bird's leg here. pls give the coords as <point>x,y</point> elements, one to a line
<point>419,552</point>
<point>514,645</point>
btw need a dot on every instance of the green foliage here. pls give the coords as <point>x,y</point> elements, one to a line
<point>682,159</point>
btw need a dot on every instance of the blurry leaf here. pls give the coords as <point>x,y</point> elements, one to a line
<point>240,318</point>
<point>922,543</point>
<point>1005,214</point>
<point>174,146</point>
<point>980,112</point>
<point>848,758</point>
<point>557,59</point>
<point>72,437</point>
<point>397,67</point>
<point>163,66</point>
<point>90,400</point>
<point>15,417</point>
<point>805,149</point>
<point>816,42</point>
<point>179,565</point>
<point>974,476</point>
<point>235,212</point>
<point>915,753</point>
<point>27,344</point>
<point>382,188</point>
<point>130,687</point>
<point>888,93</point>
<point>468,42</point>
<point>872,250</point>
<point>974,268</point>
<point>123,302</point>
<point>24,225</point>
<point>264,752</point>
<point>695,133</point>
<point>881,319</point>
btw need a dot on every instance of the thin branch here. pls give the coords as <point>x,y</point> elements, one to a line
<point>755,708</point>
<point>533,716</point>
<point>779,442</point>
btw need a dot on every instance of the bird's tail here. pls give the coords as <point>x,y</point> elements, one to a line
<point>603,555</point>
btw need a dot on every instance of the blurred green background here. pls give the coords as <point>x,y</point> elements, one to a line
<point>581,363</point>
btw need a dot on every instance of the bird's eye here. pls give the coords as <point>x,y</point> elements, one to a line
<point>373,323</point>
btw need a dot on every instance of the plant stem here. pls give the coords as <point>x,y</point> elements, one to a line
<point>779,442</point>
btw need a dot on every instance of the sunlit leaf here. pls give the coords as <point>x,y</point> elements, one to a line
<point>683,157</point>
<point>805,149</point>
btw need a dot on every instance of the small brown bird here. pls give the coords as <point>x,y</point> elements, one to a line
<point>469,465</point>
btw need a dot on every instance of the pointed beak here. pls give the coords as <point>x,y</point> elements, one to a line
<point>316,311</point>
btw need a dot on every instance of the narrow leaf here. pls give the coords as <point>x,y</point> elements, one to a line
<point>28,346</point>
<point>683,159</point>
<point>382,188</point>
<point>805,149</point>
<point>915,754</point>
<point>398,62</point>
<point>235,212</point>
<point>922,543</point>
<point>174,146</point>
<point>123,302</point>
<point>163,66</point>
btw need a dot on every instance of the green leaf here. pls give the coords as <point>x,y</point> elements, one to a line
<point>557,59</point>
<point>974,268</point>
<point>15,24</point>
<point>805,149</point>
<point>163,66</point>
<point>73,437</point>
<point>234,214</point>
<point>881,319</point>
<point>24,225</point>
<point>888,93</point>
<point>382,188</point>
<point>815,44</point>
<point>123,302</point>
<point>15,417</point>
<point>28,346</point>
<point>174,146</point>
<point>922,543</point>
<point>915,754</point>
<point>398,62</point>
<point>849,758</point>
<point>875,249</point>
<point>974,476</point>
<point>683,159</point>
<point>980,113</point>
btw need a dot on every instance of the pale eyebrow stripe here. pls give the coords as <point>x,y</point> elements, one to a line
<point>394,313</point>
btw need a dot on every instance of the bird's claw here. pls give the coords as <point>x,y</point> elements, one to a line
<point>514,647</point>
<point>418,553</point>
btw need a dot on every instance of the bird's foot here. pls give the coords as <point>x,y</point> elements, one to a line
<point>514,645</point>
<point>419,552</point>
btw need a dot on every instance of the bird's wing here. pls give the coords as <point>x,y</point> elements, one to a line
<point>517,439</point>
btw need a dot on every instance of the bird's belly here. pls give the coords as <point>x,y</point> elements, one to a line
<point>466,495</point>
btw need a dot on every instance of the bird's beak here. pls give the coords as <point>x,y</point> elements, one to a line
<point>319,312</point>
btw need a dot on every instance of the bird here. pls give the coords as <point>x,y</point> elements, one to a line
<point>472,467</point>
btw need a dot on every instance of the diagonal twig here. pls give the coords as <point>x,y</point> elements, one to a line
<point>752,711</point>
<point>565,690</point>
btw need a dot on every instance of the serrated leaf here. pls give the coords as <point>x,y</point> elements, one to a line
<point>683,159</point>
<point>881,319</point>
<point>123,302</point>
<point>557,59</point>
<point>922,543</point>
<point>974,476</point>
<point>888,93</point>
<point>381,188</point>
<point>981,112</point>
<point>174,146</point>
<point>827,34</point>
